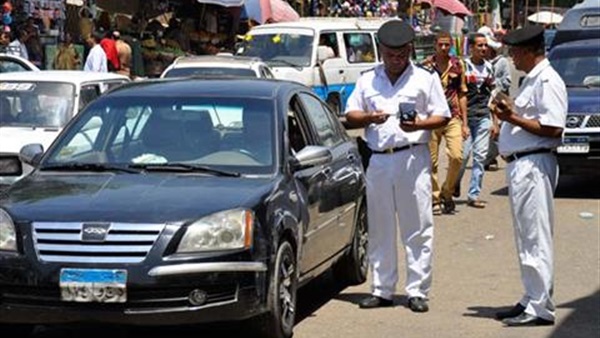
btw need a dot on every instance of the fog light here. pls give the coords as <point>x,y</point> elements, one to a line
<point>197,297</point>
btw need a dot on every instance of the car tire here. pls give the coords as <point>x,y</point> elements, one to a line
<point>279,321</point>
<point>352,268</point>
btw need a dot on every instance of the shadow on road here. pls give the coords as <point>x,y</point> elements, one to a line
<point>355,298</point>
<point>311,297</point>
<point>583,322</point>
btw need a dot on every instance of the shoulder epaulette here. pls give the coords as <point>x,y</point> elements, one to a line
<point>429,70</point>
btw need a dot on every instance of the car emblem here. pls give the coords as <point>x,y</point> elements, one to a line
<point>572,121</point>
<point>94,232</point>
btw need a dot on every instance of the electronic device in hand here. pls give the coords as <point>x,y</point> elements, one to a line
<point>406,112</point>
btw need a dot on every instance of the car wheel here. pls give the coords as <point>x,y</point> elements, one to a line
<point>352,269</point>
<point>279,321</point>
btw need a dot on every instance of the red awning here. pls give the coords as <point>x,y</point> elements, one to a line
<point>454,7</point>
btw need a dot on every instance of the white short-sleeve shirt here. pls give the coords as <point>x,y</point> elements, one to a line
<point>542,97</point>
<point>416,86</point>
<point>96,60</point>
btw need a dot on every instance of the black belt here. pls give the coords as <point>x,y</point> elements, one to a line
<point>516,156</point>
<point>395,149</point>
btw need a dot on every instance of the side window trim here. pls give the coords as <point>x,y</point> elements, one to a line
<point>317,139</point>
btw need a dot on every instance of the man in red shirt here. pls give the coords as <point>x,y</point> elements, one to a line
<point>109,46</point>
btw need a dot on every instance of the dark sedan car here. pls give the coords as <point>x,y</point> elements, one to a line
<point>184,201</point>
<point>578,63</point>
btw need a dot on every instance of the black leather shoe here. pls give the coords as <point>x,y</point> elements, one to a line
<point>418,304</point>
<point>525,319</point>
<point>375,302</point>
<point>515,311</point>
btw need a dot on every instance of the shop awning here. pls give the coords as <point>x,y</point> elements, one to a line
<point>224,3</point>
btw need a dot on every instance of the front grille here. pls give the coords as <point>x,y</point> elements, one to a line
<point>123,242</point>
<point>593,122</point>
<point>138,299</point>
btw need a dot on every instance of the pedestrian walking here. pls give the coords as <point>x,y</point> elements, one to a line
<point>67,57</point>
<point>96,60</point>
<point>482,125</point>
<point>451,72</point>
<point>532,129</point>
<point>398,179</point>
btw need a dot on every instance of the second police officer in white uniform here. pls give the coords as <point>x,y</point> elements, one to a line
<point>398,176</point>
<point>532,129</point>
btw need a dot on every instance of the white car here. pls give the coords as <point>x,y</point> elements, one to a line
<point>13,63</point>
<point>35,106</point>
<point>218,65</point>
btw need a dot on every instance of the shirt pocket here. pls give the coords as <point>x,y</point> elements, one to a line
<point>524,100</point>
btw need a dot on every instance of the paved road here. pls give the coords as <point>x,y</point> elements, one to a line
<point>475,274</point>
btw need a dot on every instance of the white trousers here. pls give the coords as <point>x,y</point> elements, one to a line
<point>531,183</point>
<point>399,192</point>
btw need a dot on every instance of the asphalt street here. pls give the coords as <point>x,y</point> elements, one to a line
<point>475,275</point>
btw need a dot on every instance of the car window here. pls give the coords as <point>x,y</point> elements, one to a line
<point>321,119</point>
<point>87,94</point>
<point>577,69</point>
<point>7,66</point>
<point>132,130</point>
<point>36,104</point>
<point>359,47</point>
<point>298,134</point>
<point>329,39</point>
<point>210,71</point>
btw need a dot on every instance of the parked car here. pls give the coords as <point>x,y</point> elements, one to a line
<point>13,63</point>
<point>195,200</point>
<point>35,106</point>
<point>218,65</point>
<point>581,22</point>
<point>578,63</point>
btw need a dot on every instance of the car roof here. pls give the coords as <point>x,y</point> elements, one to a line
<point>579,44</point>
<point>326,23</point>
<point>221,60</point>
<point>72,76</point>
<point>205,87</point>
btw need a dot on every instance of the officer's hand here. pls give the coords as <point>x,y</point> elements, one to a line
<point>410,126</point>
<point>378,117</point>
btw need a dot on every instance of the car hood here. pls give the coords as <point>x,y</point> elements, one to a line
<point>584,100</point>
<point>12,139</point>
<point>132,198</point>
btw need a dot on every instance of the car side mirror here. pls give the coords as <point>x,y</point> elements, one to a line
<point>324,53</point>
<point>311,156</point>
<point>31,154</point>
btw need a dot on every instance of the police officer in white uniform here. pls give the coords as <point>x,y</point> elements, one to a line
<point>533,127</point>
<point>399,175</point>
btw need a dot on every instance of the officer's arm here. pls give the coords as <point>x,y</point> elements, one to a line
<point>532,126</point>
<point>360,119</point>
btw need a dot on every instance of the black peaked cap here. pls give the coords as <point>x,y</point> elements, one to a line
<point>524,36</point>
<point>395,34</point>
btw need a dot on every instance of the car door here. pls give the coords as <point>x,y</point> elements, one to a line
<point>340,183</point>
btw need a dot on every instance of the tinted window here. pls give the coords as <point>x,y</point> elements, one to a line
<point>321,119</point>
<point>87,95</point>
<point>227,133</point>
<point>7,66</point>
<point>212,71</point>
<point>580,68</point>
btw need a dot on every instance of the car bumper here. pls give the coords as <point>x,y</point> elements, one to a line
<point>157,295</point>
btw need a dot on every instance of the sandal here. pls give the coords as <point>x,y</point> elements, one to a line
<point>476,204</point>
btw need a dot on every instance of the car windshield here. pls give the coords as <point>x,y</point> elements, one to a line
<point>234,135</point>
<point>577,69</point>
<point>36,104</point>
<point>211,71</point>
<point>279,50</point>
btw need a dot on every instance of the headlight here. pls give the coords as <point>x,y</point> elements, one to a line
<point>8,235</point>
<point>225,230</point>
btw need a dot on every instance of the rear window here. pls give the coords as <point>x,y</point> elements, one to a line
<point>212,71</point>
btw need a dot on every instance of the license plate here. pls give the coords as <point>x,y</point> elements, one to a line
<point>93,285</point>
<point>574,145</point>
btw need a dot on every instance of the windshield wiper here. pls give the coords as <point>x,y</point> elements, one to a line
<point>98,167</point>
<point>285,62</point>
<point>186,167</point>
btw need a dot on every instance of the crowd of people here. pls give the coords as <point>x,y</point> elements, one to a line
<point>464,101</point>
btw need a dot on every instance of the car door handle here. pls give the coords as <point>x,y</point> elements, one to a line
<point>327,172</point>
<point>341,71</point>
<point>351,157</point>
